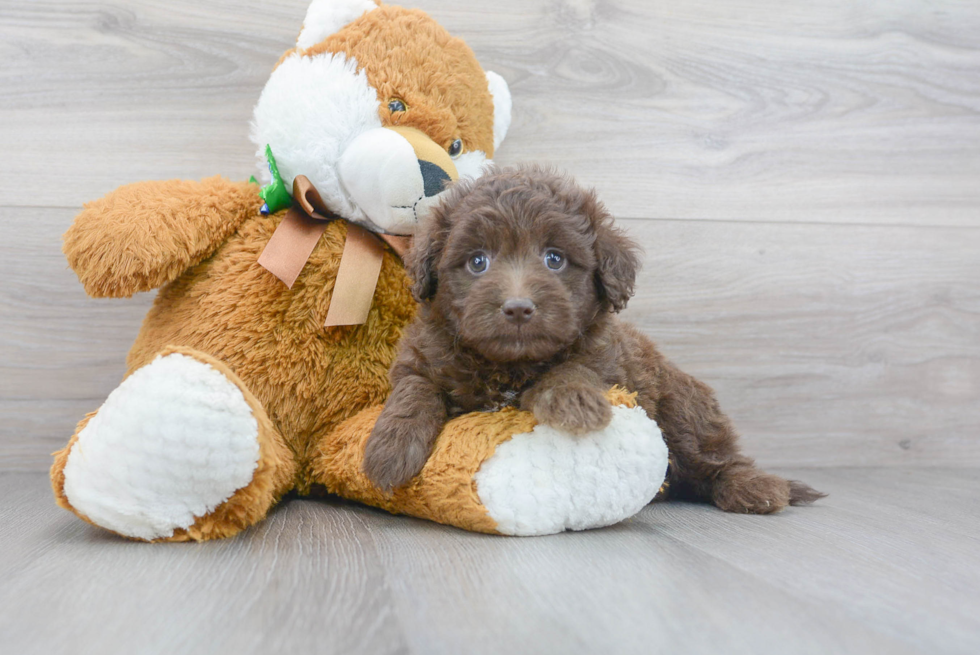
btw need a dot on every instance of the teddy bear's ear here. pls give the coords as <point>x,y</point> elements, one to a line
<point>501,107</point>
<point>324,17</point>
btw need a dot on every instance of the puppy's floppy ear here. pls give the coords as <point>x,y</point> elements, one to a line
<point>617,257</point>
<point>422,260</point>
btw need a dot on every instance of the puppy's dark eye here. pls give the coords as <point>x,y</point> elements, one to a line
<point>395,105</point>
<point>478,263</point>
<point>455,148</point>
<point>554,260</point>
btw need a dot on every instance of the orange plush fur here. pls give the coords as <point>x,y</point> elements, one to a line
<point>438,77</point>
<point>200,242</point>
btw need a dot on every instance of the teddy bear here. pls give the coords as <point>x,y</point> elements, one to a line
<point>263,362</point>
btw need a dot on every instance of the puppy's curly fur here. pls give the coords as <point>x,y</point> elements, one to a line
<point>520,275</point>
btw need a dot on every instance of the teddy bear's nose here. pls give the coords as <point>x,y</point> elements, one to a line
<point>433,178</point>
<point>518,310</point>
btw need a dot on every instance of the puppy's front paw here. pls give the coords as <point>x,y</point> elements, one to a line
<point>396,451</point>
<point>575,408</point>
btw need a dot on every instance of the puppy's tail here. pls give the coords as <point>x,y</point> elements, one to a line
<point>803,494</point>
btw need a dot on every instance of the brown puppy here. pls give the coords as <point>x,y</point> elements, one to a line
<point>520,275</point>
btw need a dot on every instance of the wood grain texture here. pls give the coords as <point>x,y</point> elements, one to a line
<point>828,345</point>
<point>803,177</point>
<point>835,307</point>
<point>749,109</point>
<point>870,569</point>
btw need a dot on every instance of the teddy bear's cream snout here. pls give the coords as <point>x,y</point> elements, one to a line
<point>395,176</point>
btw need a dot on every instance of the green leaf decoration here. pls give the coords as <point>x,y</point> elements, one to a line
<point>275,194</point>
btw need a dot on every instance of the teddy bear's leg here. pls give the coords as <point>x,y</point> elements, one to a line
<point>500,472</point>
<point>181,450</point>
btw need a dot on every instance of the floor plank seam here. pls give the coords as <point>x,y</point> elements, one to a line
<point>669,219</point>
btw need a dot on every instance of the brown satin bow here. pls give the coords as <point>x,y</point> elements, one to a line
<point>360,264</point>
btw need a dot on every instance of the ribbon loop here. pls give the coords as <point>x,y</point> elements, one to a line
<point>296,236</point>
<point>309,199</point>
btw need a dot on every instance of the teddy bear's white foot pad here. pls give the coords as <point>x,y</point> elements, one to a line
<point>170,444</point>
<point>546,481</point>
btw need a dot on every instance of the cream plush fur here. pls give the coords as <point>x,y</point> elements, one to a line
<point>171,443</point>
<point>310,111</point>
<point>320,116</point>
<point>543,481</point>
<point>324,17</point>
<point>237,394</point>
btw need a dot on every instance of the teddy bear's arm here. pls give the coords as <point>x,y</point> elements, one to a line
<point>143,235</point>
<point>502,472</point>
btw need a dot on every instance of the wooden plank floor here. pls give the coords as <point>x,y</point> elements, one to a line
<point>804,179</point>
<point>886,564</point>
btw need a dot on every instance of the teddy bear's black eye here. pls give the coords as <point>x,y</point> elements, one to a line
<point>455,148</point>
<point>396,105</point>
<point>554,260</point>
<point>478,263</point>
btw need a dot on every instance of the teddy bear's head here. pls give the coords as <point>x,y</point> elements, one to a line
<point>381,109</point>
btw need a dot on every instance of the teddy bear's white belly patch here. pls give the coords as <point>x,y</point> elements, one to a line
<point>171,443</point>
<point>546,481</point>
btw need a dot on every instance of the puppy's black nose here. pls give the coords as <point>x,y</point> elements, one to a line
<point>518,310</point>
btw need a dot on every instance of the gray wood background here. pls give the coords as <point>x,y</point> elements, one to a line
<point>805,178</point>
<point>862,573</point>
